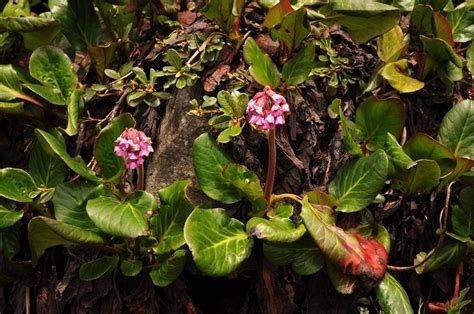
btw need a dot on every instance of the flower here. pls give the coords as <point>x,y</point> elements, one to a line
<point>133,145</point>
<point>267,109</point>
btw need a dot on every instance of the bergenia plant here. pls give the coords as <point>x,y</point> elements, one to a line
<point>133,146</point>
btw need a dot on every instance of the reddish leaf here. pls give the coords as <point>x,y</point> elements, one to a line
<point>443,28</point>
<point>213,80</point>
<point>276,13</point>
<point>350,252</point>
<point>187,18</point>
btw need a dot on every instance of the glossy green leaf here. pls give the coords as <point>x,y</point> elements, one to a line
<point>358,182</point>
<point>399,160</point>
<point>457,129</point>
<point>218,242</point>
<point>44,233</point>
<point>363,19</point>
<point>262,68</point>
<point>52,67</point>
<point>47,170</point>
<point>421,178</point>
<point>52,144</point>
<point>293,29</point>
<point>11,107</point>
<point>421,20</point>
<point>390,45</point>
<point>396,73</point>
<point>97,268</point>
<point>297,69</point>
<point>377,117</point>
<point>130,268</point>
<point>111,165</point>
<point>75,104</point>
<point>127,218</point>
<point>16,185</point>
<point>174,210</point>
<point>463,165</point>
<point>462,22</point>
<point>79,21</point>
<point>303,256</point>
<point>169,270</point>
<point>25,23</point>
<point>244,181</point>
<point>209,162</point>
<point>227,134</point>
<point>9,217</point>
<point>440,50</point>
<point>449,255</point>
<point>70,199</point>
<point>9,77</point>
<point>50,94</point>
<point>422,146</point>
<point>391,296</point>
<point>275,229</point>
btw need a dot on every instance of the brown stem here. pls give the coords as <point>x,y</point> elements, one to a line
<point>271,166</point>
<point>140,178</point>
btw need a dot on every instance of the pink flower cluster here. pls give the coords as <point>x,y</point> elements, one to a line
<point>267,109</point>
<point>133,145</point>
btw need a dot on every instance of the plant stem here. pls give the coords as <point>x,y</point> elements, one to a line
<point>140,178</point>
<point>271,167</point>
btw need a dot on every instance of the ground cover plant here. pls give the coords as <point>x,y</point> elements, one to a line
<point>230,156</point>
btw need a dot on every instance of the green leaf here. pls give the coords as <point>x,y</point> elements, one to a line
<point>51,94</point>
<point>391,296</point>
<point>218,242</point>
<point>97,268</point>
<point>358,182</point>
<point>351,253</point>
<point>79,20</point>
<point>209,162</point>
<point>277,10</point>
<point>9,217</point>
<point>16,185</point>
<point>449,255</point>
<point>377,117</point>
<point>173,212</point>
<point>276,229</point>
<point>169,270</point>
<point>52,67</point>
<point>390,45</point>
<point>363,19</point>
<point>348,133</point>
<point>25,23</point>
<point>9,77</point>
<point>457,129</point>
<point>297,69</point>
<point>463,165</point>
<point>422,146</point>
<point>462,217</point>
<point>70,199</point>
<point>111,165</point>
<point>421,20</point>
<point>47,170</point>
<point>11,107</point>
<point>303,256</point>
<point>131,268</point>
<point>75,104</point>
<point>421,178</point>
<point>244,181</point>
<point>262,68</point>
<point>227,134</point>
<point>293,29</point>
<point>470,58</point>
<point>126,218</point>
<point>222,13</point>
<point>173,58</point>
<point>44,233</point>
<point>344,284</point>
<point>462,22</point>
<point>10,241</point>
<point>440,50</point>
<point>399,160</point>
<point>52,144</point>
<point>396,73</point>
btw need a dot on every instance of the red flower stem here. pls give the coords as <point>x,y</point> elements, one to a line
<point>271,167</point>
<point>457,283</point>
<point>140,178</point>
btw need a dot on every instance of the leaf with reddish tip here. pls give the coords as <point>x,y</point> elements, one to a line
<point>276,13</point>
<point>350,252</point>
<point>442,28</point>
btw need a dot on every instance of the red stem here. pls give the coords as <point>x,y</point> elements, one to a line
<point>459,271</point>
<point>140,178</point>
<point>271,166</point>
